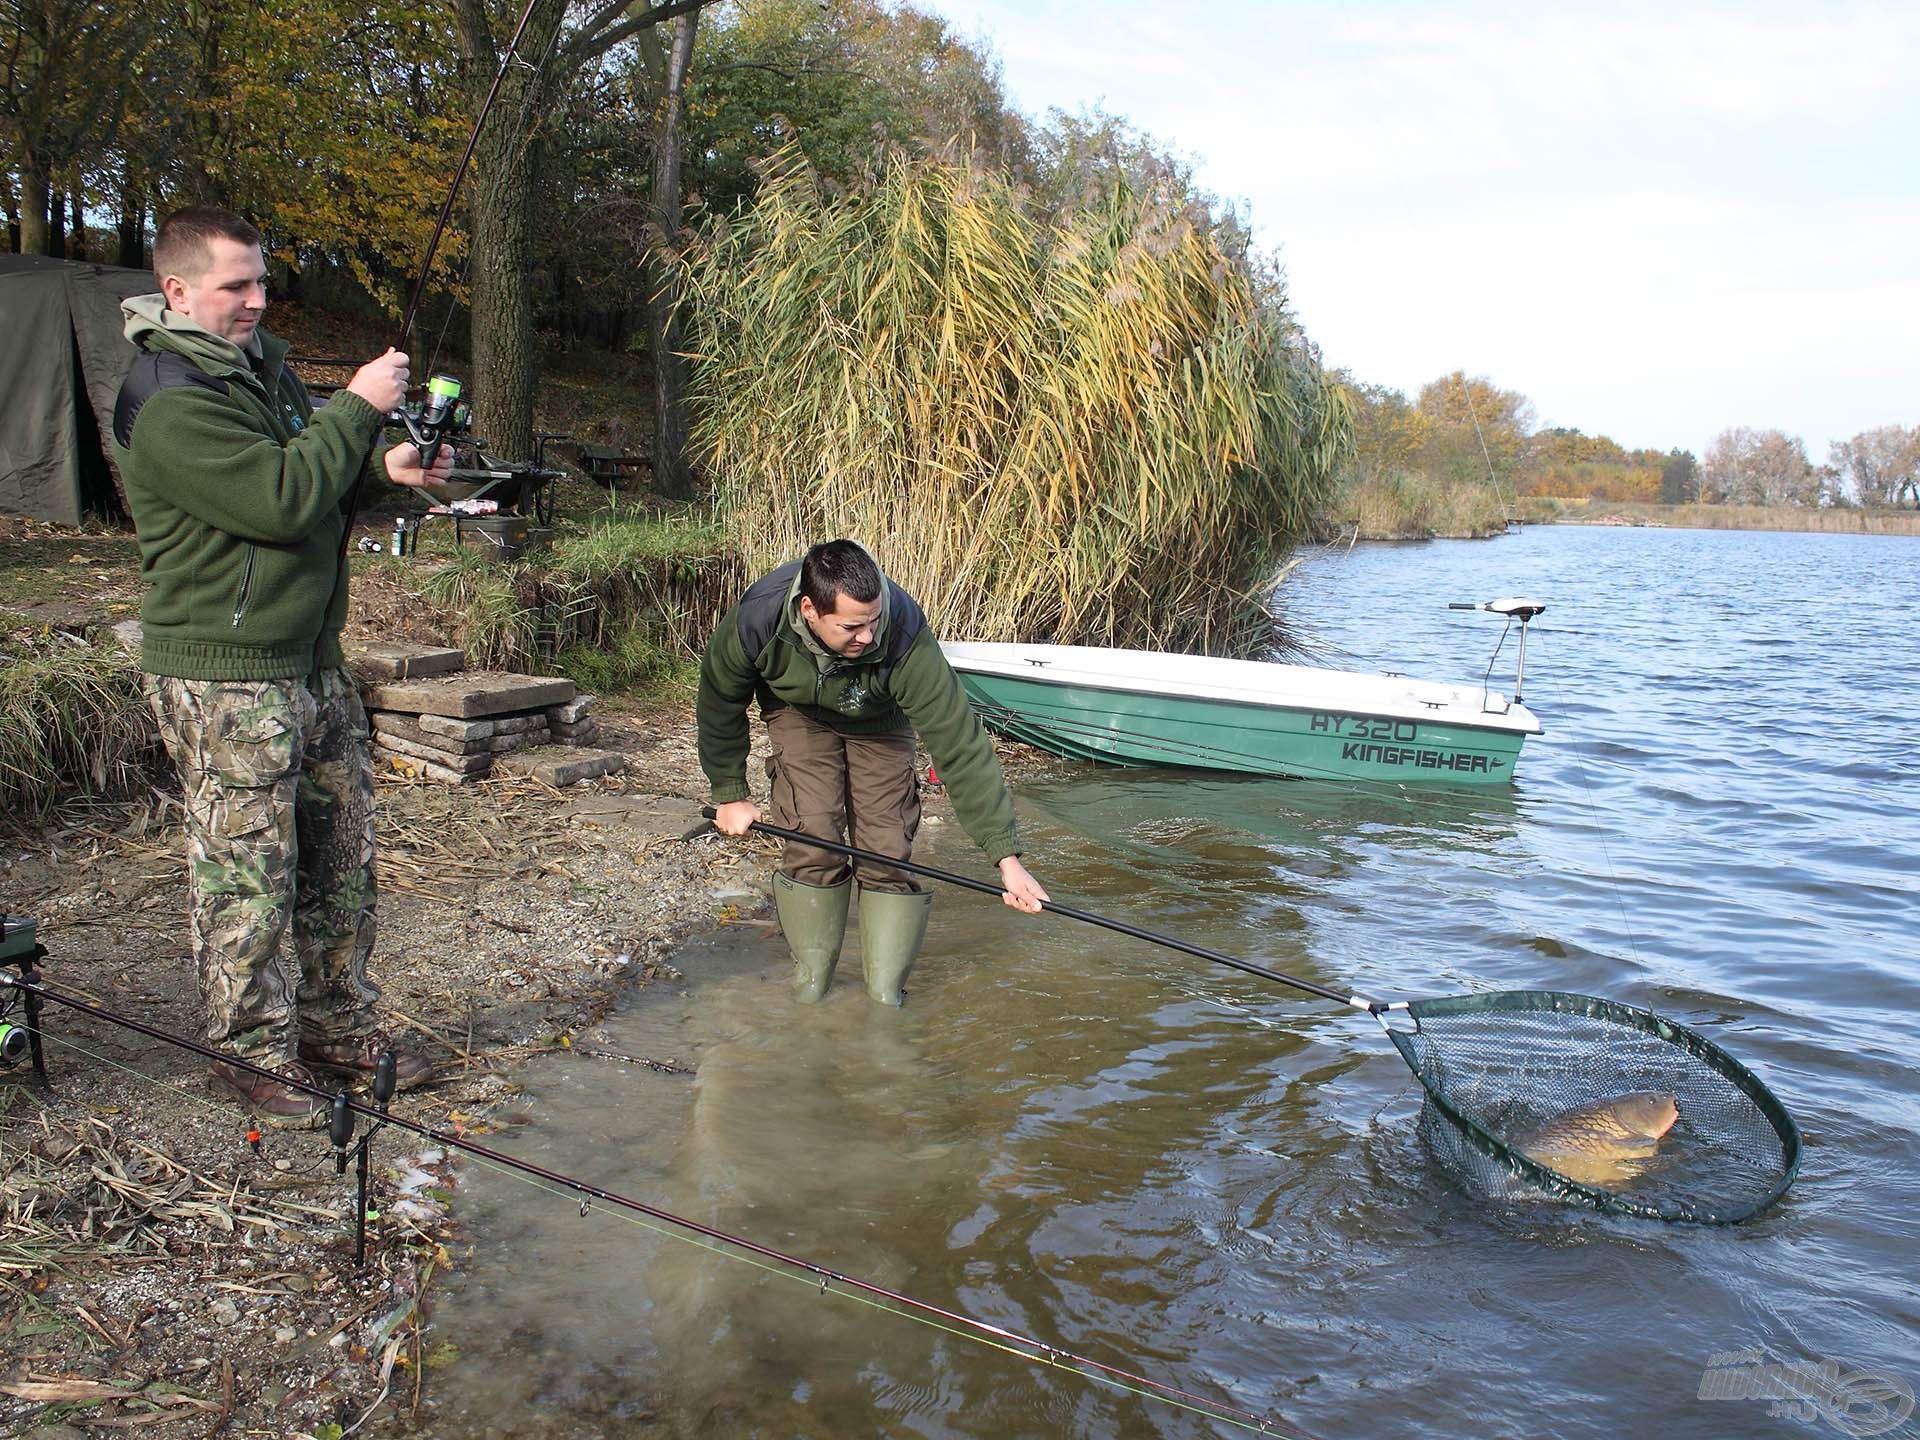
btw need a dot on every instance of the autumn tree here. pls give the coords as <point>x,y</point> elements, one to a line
<point>1475,427</point>
<point>62,62</point>
<point>1880,466</point>
<point>1389,434</point>
<point>1758,467</point>
<point>1679,478</point>
<point>559,43</point>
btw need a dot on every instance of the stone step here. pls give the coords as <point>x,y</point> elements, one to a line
<point>388,724</point>
<point>422,769</point>
<point>472,694</point>
<point>465,764</point>
<point>379,661</point>
<point>560,766</point>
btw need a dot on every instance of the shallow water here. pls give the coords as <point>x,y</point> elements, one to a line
<point>1187,1173</point>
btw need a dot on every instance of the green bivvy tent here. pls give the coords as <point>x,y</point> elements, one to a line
<point>60,371</point>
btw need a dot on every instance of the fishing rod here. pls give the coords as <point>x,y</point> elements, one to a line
<point>426,426</point>
<point>1026,1347</point>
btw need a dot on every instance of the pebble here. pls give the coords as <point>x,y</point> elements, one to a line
<point>224,1312</point>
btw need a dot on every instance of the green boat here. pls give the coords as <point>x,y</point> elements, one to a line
<point>1145,708</point>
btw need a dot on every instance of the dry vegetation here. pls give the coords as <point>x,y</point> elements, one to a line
<point>160,1273</point>
<point>1101,431</point>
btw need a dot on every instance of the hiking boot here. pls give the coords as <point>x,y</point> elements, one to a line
<point>356,1056</point>
<point>273,1102</point>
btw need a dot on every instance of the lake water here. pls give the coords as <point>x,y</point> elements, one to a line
<point>1185,1173</point>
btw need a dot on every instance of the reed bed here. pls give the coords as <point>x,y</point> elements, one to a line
<point>1398,506</point>
<point>72,721</point>
<point>1835,520</point>
<point>630,601</point>
<point>1102,430</point>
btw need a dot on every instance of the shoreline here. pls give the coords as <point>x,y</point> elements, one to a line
<point>162,1273</point>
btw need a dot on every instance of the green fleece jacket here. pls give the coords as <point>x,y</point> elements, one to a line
<point>236,485</point>
<point>764,650</point>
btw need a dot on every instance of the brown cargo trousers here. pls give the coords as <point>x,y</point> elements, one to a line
<point>823,778</point>
<point>278,785</point>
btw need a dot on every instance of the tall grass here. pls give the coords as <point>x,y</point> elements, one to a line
<point>1402,506</point>
<point>625,603</point>
<point>1097,431</point>
<point>1836,520</point>
<point>72,720</point>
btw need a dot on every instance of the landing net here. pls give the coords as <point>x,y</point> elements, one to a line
<point>1512,1072</point>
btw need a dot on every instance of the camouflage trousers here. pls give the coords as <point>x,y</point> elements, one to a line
<point>278,785</point>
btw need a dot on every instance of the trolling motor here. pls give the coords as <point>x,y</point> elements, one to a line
<point>1521,610</point>
<point>20,1039</point>
<point>340,1132</point>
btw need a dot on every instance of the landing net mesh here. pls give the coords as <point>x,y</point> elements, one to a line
<point>1499,1070</point>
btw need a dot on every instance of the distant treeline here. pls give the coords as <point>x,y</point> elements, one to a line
<point>1467,432</point>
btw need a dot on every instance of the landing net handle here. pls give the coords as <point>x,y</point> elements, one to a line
<point>968,882</point>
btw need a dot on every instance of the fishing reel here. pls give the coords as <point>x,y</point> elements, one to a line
<point>442,418</point>
<point>19,1010</point>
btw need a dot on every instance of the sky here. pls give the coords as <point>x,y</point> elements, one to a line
<point>1654,221</point>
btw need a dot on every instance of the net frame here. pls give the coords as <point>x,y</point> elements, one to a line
<point>1550,1182</point>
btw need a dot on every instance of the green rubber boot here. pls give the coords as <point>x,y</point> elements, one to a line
<point>891,929</point>
<point>814,919</point>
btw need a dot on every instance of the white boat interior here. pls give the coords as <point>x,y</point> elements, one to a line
<point>1245,682</point>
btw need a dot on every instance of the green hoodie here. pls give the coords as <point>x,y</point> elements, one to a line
<point>236,485</point>
<point>764,650</point>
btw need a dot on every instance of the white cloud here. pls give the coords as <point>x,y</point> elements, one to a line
<point>1656,221</point>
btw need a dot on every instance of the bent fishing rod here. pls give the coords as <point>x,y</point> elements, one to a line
<point>1025,1346</point>
<point>1375,1008</point>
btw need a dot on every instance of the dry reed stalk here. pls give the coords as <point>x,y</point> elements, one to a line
<point>1100,431</point>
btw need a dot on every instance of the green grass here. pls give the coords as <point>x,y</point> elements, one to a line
<point>624,605</point>
<point>72,719</point>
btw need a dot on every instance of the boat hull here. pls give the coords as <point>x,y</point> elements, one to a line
<point>1319,740</point>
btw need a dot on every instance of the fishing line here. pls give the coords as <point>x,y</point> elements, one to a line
<point>1606,854</point>
<point>1050,1356</point>
<point>568,1187</point>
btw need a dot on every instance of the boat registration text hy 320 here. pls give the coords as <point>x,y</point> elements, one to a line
<point>1372,740</point>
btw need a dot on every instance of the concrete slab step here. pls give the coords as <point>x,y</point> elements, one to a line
<point>471,694</point>
<point>560,765</point>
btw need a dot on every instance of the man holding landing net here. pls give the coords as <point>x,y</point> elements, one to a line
<point>846,670</point>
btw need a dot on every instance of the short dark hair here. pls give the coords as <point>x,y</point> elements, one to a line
<point>836,568</point>
<point>181,244</point>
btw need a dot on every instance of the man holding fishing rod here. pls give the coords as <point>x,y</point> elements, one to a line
<point>846,670</point>
<point>237,485</point>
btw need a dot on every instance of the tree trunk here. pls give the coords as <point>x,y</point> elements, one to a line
<point>78,232</point>
<point>502,305</point>
<point>33,204</point>
<point>57,225</point>
<point>672,476</point>
<point>133,223</point>
<point>502,235</point>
